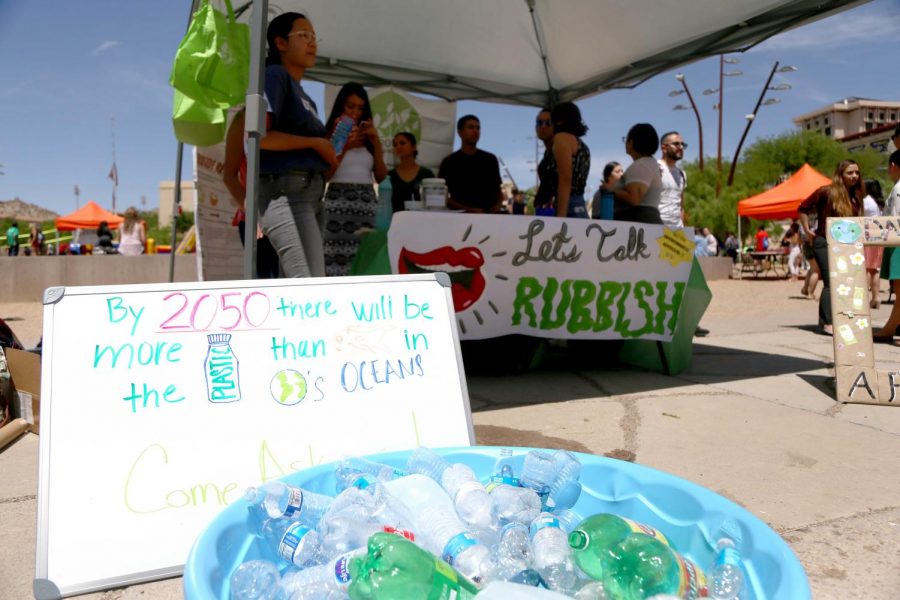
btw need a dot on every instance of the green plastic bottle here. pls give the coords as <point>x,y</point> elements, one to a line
<point>633,561</point>
<point>396,569</point>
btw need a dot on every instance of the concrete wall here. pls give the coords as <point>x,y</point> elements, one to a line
<point>24,278</point>
<point>715,267</point>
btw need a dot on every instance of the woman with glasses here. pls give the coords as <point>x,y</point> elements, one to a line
<point>546,192</point>
<point>571,159</point>
<point>350,202</point>
<point>295,153</point>
<point>640,187</point>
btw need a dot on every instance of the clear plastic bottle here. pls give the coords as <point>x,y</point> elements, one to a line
<point>345,477</point>
<point>726,578</point>
<point>294,542</point>
<point>565,489</point>
<point>552,555</point>
<point>277,499</point>
<point>380,471</point>
<point>515,504</point>
<point>470,499</point>
<point>322,581</point>
<point>505,590</point>
<point>438,527</point>
<point>257,580</point>
<point>539,473</point>
<point>512,554</point>
<point>503,470</point>
<point>340,534</point>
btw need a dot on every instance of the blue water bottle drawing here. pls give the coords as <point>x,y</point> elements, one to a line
<point>222,381</point>
<point>341,133</point>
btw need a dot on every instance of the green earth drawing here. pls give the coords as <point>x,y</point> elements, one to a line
<point>288,387</point>
<point>392,113</point>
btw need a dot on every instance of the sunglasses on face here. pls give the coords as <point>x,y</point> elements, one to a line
<point>543,122</point>
<point>677,144</point>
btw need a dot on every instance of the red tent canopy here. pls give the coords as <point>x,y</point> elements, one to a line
<point>781,201</point>
<point>88,217</point>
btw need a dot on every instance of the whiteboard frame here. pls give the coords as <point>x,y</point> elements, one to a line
<point>43,587</point>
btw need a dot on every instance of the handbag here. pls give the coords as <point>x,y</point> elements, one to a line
<point>196,123</point>
<point>212,64</point>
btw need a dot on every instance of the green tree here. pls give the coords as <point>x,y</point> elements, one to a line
<point>763,165</point>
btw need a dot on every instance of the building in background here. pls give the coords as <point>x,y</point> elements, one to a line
<point>167,199</point>
<point>857,123</point>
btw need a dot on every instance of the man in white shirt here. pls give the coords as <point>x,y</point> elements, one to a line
<point>674,180</point>
<point>712,244</point>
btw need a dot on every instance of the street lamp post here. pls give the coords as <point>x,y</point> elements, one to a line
<point>721,90</point>
<point>752,116</point>
<point>680,77</point>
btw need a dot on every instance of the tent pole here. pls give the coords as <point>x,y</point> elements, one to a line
<point>255,127</point>
<point>175,206</point>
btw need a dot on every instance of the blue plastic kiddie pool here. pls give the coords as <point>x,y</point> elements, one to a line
<point>686,513</point>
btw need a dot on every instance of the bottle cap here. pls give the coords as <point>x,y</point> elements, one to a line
<point>578,539</point>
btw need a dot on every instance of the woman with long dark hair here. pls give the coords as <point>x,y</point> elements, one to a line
<point>295,153</point>
<point>843,197</point>
<point>350,202</point>
<point>572,158</point>
<point>408,174</point>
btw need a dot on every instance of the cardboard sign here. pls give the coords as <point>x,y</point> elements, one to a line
<point>550,277</point>
<point>162,404</point>
<point>858,381</point>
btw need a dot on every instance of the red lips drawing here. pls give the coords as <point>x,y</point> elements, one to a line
<point>467,284</point>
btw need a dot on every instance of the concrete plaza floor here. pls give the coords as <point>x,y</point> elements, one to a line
<point>754,419</point>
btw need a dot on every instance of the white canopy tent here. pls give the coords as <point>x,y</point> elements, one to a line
<point>533,52</point>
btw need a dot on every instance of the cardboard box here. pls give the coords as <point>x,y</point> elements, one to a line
<point>25,368</point>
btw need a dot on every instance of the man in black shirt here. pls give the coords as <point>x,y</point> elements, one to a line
<point>472,175</point>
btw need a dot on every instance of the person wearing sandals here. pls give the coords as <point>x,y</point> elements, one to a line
<point>890,266</point>
<point>843,197</point>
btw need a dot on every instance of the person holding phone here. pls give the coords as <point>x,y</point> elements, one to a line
<point>350,202</point>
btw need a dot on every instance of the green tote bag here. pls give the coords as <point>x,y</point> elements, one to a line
<point>196,123</point>
<point>212,64</point>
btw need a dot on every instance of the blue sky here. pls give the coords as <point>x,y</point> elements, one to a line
<point>67,67</point>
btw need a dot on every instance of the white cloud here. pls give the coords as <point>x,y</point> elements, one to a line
<point>840,30</point>
<point>107,45</point>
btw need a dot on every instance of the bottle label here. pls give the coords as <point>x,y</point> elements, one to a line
<point>294,502</point>
<point>342,570</point>
<point>646,530</point>
<point>542,522</point>
<point>728,556</point>
<point>446,584</point>
<point>401,532</point>
<point>291,539</point>
<point>457,545</point>
<point>693,580</point>
<point>500,480</point>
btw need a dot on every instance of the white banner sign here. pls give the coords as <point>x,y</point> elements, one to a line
<point>219,249</point>
<point>550,277</point>
<point>433,122</point>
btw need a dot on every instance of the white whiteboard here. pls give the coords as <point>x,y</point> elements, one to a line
<point>129,478</point>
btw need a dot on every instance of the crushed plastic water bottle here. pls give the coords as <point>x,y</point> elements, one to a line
<point>515,504</point>
<point>565,489</point>
<point>323,581</point>
<point>292,541</point>
<point>276,499</point>
<point>257,580</point>
<point>439,528</point>
<point>726,577</point>
<point>347,477</point>
<point>539,473</point>
<point>472,502</point>
<point>552,555</point>
<point>380,471</point>
<point>512,554</point>
<point>340,534</point>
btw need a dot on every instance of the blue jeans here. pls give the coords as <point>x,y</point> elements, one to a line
<point>289,206</point>
<point>577,208</point>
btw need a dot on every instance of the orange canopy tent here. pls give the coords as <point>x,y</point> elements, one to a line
<point>88,217</point>
<point>782,201</point>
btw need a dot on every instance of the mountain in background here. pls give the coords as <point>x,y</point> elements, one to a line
<point>23,211</point>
